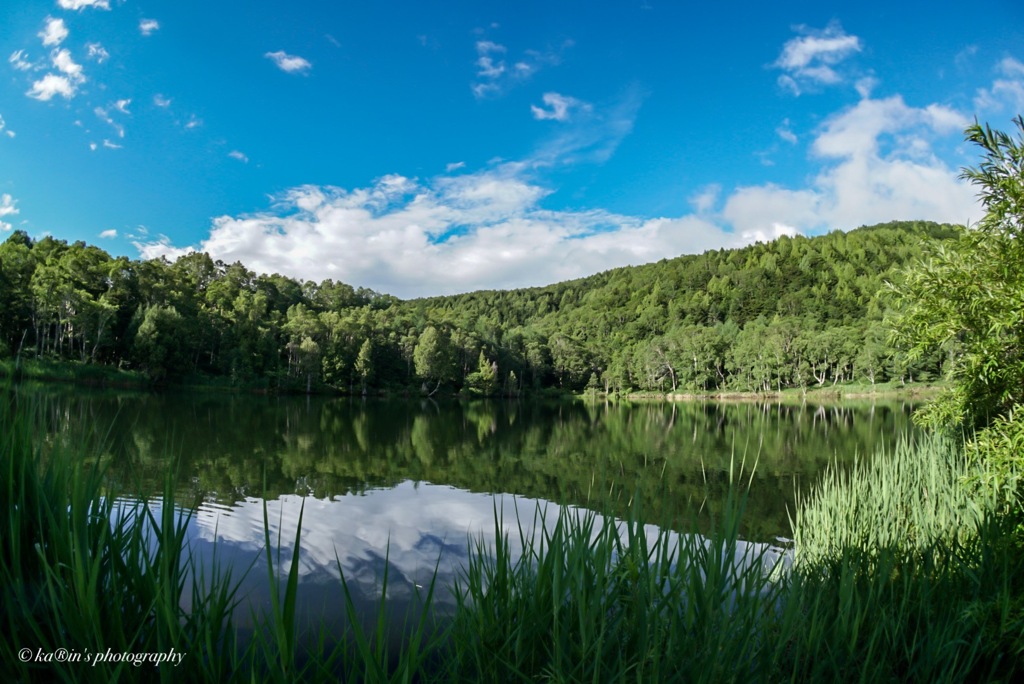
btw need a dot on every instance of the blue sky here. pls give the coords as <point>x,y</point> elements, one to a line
<point>422,148</point>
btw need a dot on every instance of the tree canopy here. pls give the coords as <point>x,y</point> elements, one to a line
<point>966,297</point>
<point>795,312</point>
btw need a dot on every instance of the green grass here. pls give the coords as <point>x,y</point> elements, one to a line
<point>899,574</point>
<point>71,372</point>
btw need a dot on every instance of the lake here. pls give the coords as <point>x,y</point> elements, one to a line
<point>412,481</point>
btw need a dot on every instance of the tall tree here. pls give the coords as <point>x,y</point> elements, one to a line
<point>969,294</point>
<point>433,357</point>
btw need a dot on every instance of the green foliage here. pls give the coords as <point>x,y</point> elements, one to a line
<point>434,356</point>
<point>908,501</point>
<point>967,297</point>
<point>693,323</point>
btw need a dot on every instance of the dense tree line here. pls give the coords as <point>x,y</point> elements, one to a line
<point>795,312</point>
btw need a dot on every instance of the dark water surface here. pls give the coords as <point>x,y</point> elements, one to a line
<point>414,480</point>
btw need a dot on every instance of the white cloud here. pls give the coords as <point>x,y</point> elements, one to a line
<point>193,122</point>
<point>109,234</point>
<point>493,73</point>
<point>878,166</point>
<point>111,146</point>
<point>97,52</point>
<point>809,60</point>
<point>454,166</point>
<point>490,229</point>
<point>161,101</point>
<point>50,85</point>
<point>786,133</point>
<point>7,208</point>
<point>148,26</point>
<point>1007,91</point>
<point>82,4</point>
<point>64,63</point>
<point>104,116</point>
<point>452,235</point>
<point>18,61</point>
<point>859,130</point>
<point>54,32</point>
<point>866,85</point>
<point>93,146</point>
<point>235,154</point>
<point>64,84</point>
<point>592,138</point>
<point>3,125</point>
<point>161,247</point>
<point>484,47</point>
<point>122,106</point>
<point>290,64</point>
<point>706,199</point>
<point>489,66</point>
<point>560,107</point>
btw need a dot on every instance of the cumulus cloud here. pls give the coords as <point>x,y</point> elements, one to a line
<point>161,101</point>
<point>64,84</point>
<point>3,128</point>
<point>161,247</point>
<point>64,63</point>
<point>54,32</point>
<point>1007,91</point>
<point>109,234</point>
<point>51,85</point>
<point>148,26</point>
<point>7,208</point>
<point>450,235</point>
<point>810,60</point>
<point>877,166</point>
<point>82,4</point>
<point>560,107</point>
<point>491,229</point>
<point>290,64</point>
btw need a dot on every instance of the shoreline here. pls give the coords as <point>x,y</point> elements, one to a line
<point>915,391</point>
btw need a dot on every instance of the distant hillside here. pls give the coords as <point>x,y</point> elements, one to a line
<point>792,312</point>
<point>620,323</point>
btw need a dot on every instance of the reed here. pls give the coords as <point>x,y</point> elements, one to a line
<point>906,500</point>
<point>89,573</point>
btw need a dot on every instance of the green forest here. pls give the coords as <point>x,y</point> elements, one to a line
<point>793,313</point>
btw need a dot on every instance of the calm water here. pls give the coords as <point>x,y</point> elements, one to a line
<point>411,480</point>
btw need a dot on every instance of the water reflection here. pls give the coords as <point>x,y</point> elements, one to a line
<point>671,458</point>
<point>422,532</point>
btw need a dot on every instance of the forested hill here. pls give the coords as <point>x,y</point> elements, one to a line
<point>793,312</point>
